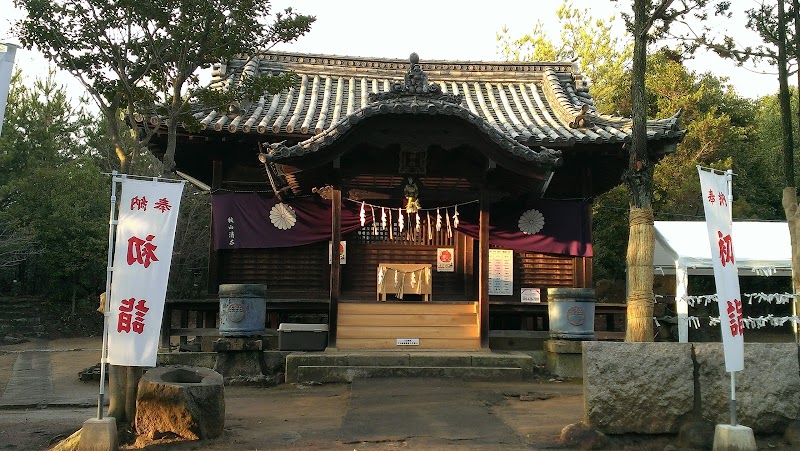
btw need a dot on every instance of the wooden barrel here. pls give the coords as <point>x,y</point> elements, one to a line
<point>571,312</point>
<point>242,310</point>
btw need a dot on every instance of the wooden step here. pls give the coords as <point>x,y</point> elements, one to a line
<point>406,319</point>
<point>413,331</point>
<point>417,308</point>
<point>466,344</point>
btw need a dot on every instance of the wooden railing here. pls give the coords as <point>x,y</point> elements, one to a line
<point>197,318</point>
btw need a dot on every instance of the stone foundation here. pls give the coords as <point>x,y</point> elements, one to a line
<point>656,387</point>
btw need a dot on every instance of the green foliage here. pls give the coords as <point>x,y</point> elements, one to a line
<point>723,130</point>
<point>144,56</point>
<point>588,41</point>
<point>51,193</point>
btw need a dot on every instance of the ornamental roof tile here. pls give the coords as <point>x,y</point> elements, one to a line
<point>525,103</point>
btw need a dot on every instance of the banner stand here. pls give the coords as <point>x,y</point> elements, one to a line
<point>132,286</point>
<point>733,398</point>
<point>729,180</point>
<point>112,226</point>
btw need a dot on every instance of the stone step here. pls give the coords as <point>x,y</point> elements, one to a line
<point>344,365</point>
<point>328,374</point>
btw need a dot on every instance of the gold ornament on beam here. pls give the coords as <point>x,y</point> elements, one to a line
<point>411,193</point>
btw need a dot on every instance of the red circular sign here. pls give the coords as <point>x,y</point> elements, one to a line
<point>445,256</point>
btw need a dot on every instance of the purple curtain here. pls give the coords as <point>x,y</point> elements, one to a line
<point>553,227</point>
<point>249,220</point>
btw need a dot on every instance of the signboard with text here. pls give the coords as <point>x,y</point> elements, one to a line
<point>716,204</point>
<point>148,214</point>
<point>445,259</point>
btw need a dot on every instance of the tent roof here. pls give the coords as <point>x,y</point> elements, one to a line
<point>758,246</point>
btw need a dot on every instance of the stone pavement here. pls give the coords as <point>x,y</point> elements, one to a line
<point>45,374</point>
<point>42,400</point>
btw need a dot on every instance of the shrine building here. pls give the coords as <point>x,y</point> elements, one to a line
<point>459,192</point>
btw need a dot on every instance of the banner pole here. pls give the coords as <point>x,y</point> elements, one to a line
<point>733,398</point>
<point>112,226</point>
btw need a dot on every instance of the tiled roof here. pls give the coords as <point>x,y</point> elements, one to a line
<point>521,103</point>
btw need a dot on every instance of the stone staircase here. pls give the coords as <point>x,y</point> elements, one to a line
<point>344,366</point>
<point>20,316</point>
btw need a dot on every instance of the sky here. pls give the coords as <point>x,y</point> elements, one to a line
<point>435,29</point>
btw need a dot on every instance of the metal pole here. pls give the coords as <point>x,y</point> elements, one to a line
<point>729,179</point>
<point>112,227</point>
<point>733,398</point>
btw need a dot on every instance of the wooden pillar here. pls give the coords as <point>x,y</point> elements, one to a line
<point>213,254</point>
<point>483,267</point>
<point>336,237</point>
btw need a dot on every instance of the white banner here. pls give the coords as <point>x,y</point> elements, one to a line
<point>148,213</point>
<point>716,203</point>
<point>7,53</point>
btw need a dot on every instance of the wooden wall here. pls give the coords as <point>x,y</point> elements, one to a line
<point>303,272</point>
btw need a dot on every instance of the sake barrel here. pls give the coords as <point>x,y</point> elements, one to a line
<point>242,310</point>
<point>571,312</point>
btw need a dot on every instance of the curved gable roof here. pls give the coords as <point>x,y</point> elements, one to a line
<point>531,103</point>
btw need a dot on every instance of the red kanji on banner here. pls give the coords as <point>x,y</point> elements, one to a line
<point>126,321</point>
<point>139,203</point>
<point>725,248</point>
<point>163,205</point>
<point>722,200</point>
<point>141,251</point>
<point>735,317</point>
<point>711,198</point>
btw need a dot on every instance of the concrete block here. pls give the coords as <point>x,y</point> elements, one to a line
<point>203,359</point>
<point>378,359</point>
<point>645,388</point>
<point>99,435</point>
<point>240,363</point>
<point>295,360</point>
<point>565,364</point>
<point>767,389</point>
<point>563,346</point>
<point>439,359</point>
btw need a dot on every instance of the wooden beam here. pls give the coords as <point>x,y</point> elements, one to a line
<point>336,237</point>
<point>213,254</point>
<point>483,267</point>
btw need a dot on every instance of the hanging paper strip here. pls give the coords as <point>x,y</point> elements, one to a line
<point>447,218</point>
<point>391,225</point>
<point>400,220</point>
<point>362,216</point>
<point>430,235</point>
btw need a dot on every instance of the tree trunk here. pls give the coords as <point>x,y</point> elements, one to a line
<point>114,132</point>
<point>639,180</point>
<point>793,221</point>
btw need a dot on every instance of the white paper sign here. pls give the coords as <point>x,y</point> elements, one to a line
<point>716,203</point>
<point>501,272</point>
<point>445,259</point>
<point>148,213</point>
<point>531,295</point>
<point>342,252</point>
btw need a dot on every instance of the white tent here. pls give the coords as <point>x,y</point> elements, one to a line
<point>682,248</point>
